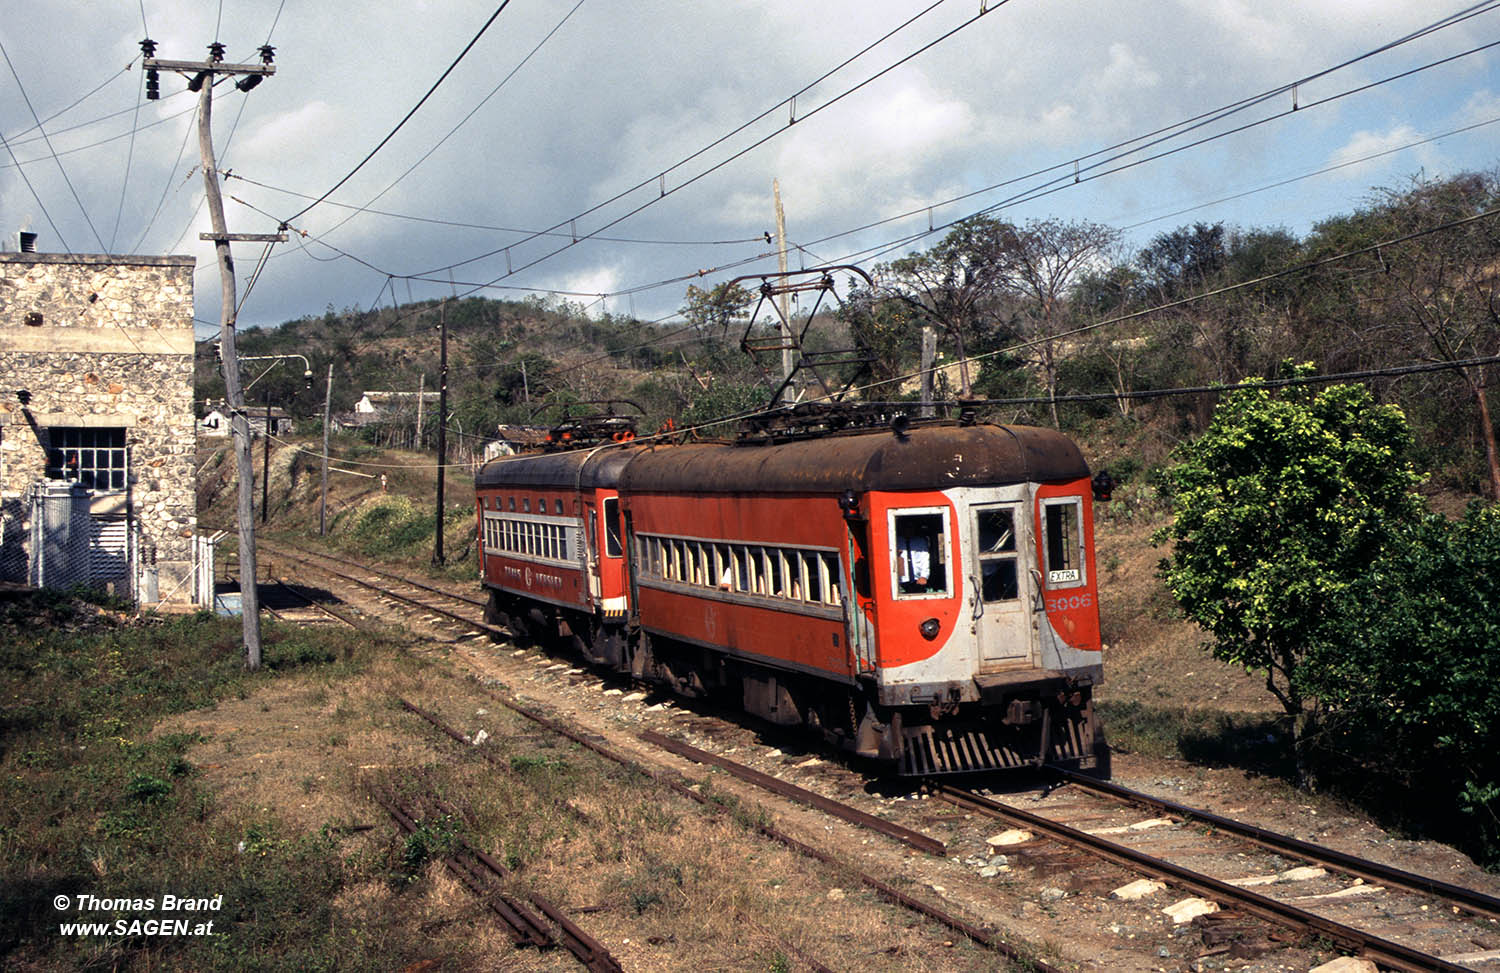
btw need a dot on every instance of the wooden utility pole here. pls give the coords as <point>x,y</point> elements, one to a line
<point>265,464</point>
<point>323,500</point>
<point>929,355</point>
<point>204,73</point>
<point>789,394</point>
<point>442,429</point>
<point>421,392</point>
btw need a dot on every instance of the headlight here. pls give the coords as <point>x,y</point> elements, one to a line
<point>930,629</point>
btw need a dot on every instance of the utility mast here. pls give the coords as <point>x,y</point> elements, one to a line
<point>787,364</point>
<point>202,81</point>
<point>442,431</point>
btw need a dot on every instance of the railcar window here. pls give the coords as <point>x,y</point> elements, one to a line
<point>1064,520</point>
<point>612,546</point>
<point>741,569</point>
<point>812,585</point>
<point>835,579</point>
<point>920,554</point>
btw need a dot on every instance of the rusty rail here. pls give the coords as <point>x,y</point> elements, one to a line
<point>884,889</point>
<point>523,926</point>
<point>907,836</point>
<point>1470,900</point>
<point>1382,951</point>
<point>273,544</point>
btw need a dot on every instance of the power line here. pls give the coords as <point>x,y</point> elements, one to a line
<point>1149,139</point>
<point>443,77</point>
<point>128,133</point>
<point>1069,178</point>
<point>22,88</point>
<point>460,224</point>
<point>464,121</point>
<point>19,138</point>
<point>1204,295</point>
<point>664,191</point>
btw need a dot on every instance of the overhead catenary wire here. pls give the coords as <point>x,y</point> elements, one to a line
<point>575,239</point>
<point>1157,135</point>
<point>21,87</point>
<point>407,117</point>
<point>691,180</point>
<point>876,251</point>
<point>463,121</point>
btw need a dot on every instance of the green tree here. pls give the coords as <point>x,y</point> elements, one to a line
<point>1281,505</point>
<point>1419,673</point>
<point>954,285</point>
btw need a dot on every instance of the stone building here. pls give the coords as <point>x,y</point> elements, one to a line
<point>97,429</point>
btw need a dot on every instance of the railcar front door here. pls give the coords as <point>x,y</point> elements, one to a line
<point>999,586</point>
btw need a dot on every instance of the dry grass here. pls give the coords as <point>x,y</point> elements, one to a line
<point>1152,655</point>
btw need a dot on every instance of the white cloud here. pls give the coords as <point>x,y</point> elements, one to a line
<point>1368,152</point>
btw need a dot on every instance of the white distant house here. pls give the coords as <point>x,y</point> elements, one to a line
<point>215,424</point>
<point>388,402</point>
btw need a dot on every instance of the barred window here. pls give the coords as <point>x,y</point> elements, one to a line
<point>94,458</point>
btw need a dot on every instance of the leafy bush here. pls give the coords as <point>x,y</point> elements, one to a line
<point>1418,673</point>
<point>1281,506</point>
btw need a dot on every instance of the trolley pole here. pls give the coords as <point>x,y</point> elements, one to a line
<point>202,81</point>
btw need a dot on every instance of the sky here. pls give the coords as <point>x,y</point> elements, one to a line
<point>610,154</point>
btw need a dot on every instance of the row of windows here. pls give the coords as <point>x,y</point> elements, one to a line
<point>505,535</point>
<point>510,503</point>
<point>811,577</point>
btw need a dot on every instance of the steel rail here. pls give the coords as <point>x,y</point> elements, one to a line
<point>838,809</point>
<point>1382,951</point>
<point>273,544</point>
<point>1471,900</point>
<point>498,633</point>
<point>585,948</point>
<point>524,928</point>
<point>336,616</point>
<point>884,889</point>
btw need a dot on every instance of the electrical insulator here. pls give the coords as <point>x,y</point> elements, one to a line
<point>153,80</point>
<point>216,51</point>
<point>267,53</point>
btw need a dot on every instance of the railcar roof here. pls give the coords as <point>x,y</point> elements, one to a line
<point>925,458</point>
<point>587,468</point>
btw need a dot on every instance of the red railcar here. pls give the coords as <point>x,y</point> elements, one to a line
<point>923,596</point>
<point>551,550</point>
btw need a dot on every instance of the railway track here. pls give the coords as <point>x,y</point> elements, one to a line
<point>485,877</point>
<point>1384,947</point>
<point>380,582</point>
<point>1359,942</point>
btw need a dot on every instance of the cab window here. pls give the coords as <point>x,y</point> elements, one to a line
<point>1064,542</point>
<point>612,547</point>
<point>919,554</point>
